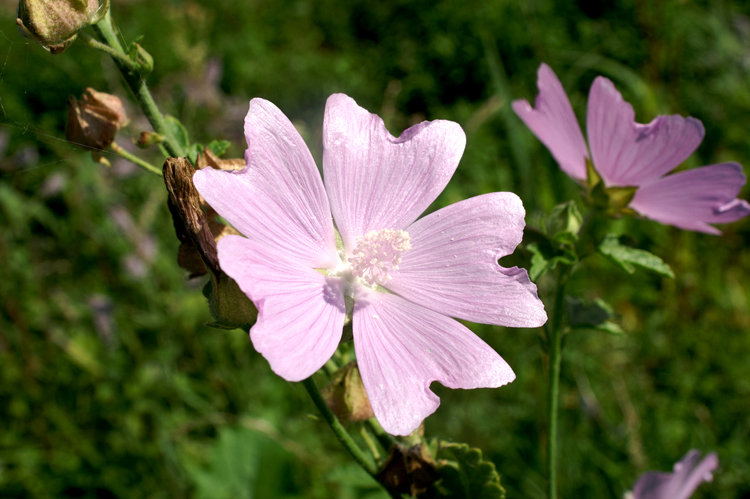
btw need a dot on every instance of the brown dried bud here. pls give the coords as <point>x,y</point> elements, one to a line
<point>94,120</point>
<point>346,395</point>
<point>230,307</point>
<point>54,24</point>
<point>408,470</point>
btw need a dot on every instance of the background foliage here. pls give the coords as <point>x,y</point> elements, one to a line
<point>111,387</point>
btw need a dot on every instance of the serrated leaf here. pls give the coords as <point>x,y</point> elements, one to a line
<point>628,258</point>
<point>177,130</point>
<point>464,474</point>
<point>219,147</point>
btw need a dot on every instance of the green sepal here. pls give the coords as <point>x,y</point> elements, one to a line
<point>592,176</point>
<point>620,198</point>
<point>230,307</point>
<point>628,258</point>
<point>465,474</point>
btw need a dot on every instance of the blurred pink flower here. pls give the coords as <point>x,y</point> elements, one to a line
<point>399,280</point>
<point>629,154</point>
<point>687,476</point>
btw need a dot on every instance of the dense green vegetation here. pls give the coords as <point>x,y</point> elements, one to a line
<point>110,386</point>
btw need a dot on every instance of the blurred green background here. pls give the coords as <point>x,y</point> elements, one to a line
<point>111,387</point>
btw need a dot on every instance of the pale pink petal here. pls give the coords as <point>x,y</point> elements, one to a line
<point>300,311</point>
<point>693,199</point>
<point>452,267</point>
<point>402,347</point>
<point>687,476</point>
<point>376,181</point>
<point>626,153</point>
<point>279,197</point>
<point>554,123</point>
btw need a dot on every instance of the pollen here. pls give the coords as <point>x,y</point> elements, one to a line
<point>378,254</point>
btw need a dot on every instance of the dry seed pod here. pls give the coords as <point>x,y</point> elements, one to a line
<point>94,120</point>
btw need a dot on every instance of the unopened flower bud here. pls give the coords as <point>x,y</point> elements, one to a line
<point>147,139</point>
<point>144,60</point>
<point>94,120</point>
<point>54,24</point>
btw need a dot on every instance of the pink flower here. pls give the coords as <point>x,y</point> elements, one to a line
<point>629,154</point>
<point>688,475</point>
<point>398,280</point>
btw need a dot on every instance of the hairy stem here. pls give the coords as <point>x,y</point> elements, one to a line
<point>106,33</point>
<point>134,159</point>
<point>555,357</point>
<point>337,428</point>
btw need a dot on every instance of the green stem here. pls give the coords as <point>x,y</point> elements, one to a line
<point>365,434</point>
<point>338,428</point>
<point>555,358</point>
<point>135,159</point>
<point>106,32</point>
<point>114,53</point>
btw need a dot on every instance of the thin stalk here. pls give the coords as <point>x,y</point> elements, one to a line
<point>370,442</point>
<point>106,32</point>
<point>121,57</point>
<point>555,358</point>
<point>337,428</point>
<point>386,439</point>
<point>135,159</point>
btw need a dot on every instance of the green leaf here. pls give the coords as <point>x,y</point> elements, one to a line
<point>177,130</point>
<point>464,474</point>
<point>596,314</point>
<point>545,258</point>
<point>219,147</point>
<point>193,151</point>
<point>628,258</point>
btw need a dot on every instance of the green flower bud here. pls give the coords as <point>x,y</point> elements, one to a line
<point>54,24</point>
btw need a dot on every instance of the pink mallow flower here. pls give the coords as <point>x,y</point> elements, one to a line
<point>687,476</point>
<point>398,279</point>
<point>629,154</point>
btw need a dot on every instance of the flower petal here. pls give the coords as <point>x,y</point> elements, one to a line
<point>626,153</point>
<point>452,267</point>
<point>687,476</point>
<point>402,347</point>
<point>376,181</point>
<point>279,197</point>
<point>554,123</point>
<point>300,311</point>
<point>693,199</point>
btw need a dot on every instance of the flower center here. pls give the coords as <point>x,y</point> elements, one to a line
<point>377,253</point>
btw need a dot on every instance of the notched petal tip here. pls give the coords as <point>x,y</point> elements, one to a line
<point>554,123</point>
